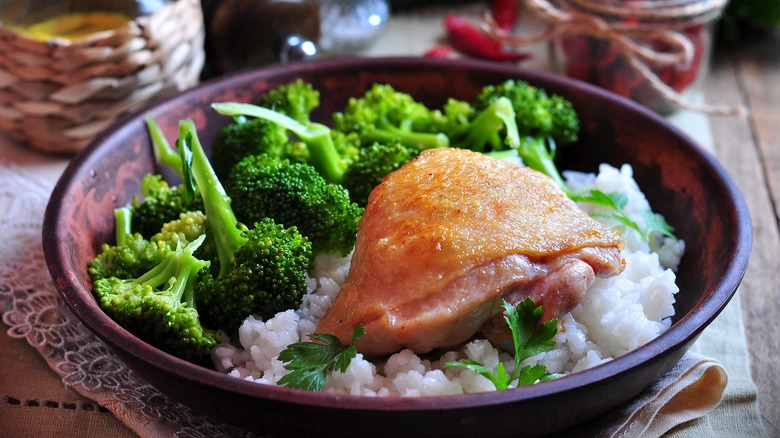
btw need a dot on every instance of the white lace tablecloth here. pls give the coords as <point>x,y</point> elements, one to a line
<point>33,311</point>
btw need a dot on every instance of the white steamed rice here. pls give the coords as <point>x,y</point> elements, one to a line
<point>617,315</point>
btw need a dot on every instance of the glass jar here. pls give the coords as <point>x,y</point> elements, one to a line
<point>349,26</point>
<point>639,50</point>
<point>71,19</point>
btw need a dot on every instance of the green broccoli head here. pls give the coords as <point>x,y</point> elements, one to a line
<point>159,305</point>
<point>130,256</point>
<point>262,270</point>
<point>268,276</point>
<point>159,203</point>
<point>457,115</point>
<point>252,136</point>
<point>247,136</point>
<point>538,114</point>
<point>489,129</point>
<point>544,122</point>
<point>565,122</point>
<point>384,114</point>
<point>129,260</point>
<point>182,231</point>
<point>294,194</point>
<point>347,146</point>
<point>318,139</point>
<point>297,99</point>
<point>374,163</point>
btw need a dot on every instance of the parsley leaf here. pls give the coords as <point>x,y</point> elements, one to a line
<point>657,223</point>
<point>499,379</point>
<point>309,362</point>
<point>530,374</point>
<point>617,202</point>
<point>529,339</point>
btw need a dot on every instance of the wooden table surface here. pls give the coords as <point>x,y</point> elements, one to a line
<point>749,148</point>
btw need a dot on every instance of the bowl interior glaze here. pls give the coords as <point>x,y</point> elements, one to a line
<point>682,182</point>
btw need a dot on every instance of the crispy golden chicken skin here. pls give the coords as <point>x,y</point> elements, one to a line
<point>451,234</point>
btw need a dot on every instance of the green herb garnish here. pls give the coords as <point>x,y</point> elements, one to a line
<point>310,361</point>
<point>617,202</point>
<point>529,338</point>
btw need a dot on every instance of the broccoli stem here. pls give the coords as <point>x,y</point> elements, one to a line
<point>317,137</point>
<point>503,154</point>
<point>181,266</point>
<point>485,128</point>
<point>227,232</point>
<point>387,133</point>
<point>163,152</point>
<point>537,155</point>
<point>123,219</point>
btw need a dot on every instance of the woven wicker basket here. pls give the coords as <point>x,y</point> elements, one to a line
<point>56,95</point>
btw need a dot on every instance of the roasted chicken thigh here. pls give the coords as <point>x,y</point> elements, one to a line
<point>451,234</point>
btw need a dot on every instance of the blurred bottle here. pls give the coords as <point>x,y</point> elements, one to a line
<point>71,19</point>
<point>248,33</point>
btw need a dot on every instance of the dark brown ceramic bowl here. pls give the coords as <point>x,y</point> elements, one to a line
<point>682,181</point>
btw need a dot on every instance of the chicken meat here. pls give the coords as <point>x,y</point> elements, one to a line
<point>448,236</point>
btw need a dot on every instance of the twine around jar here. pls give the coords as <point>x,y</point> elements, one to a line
<point>585,17</point>
<point>57,95</point>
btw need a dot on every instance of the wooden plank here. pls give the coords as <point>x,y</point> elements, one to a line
<point>759,72</point>
<point>737,149</point>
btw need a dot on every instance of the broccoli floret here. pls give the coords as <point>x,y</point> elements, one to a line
<point>457,115</point>
<point>319,139</point>
<point>252,136</point>
<point>268,276</point>
<point>544,122</point>
<point>334,153</point>
<point>374,163</point>
<point>538,113</point>
<point>130,256</point>
<point>189,226</point>
<point>295,194</point>
<point>489,129</point>
<point>159,203</point>
<point>246,136</point>
<point>297,99</point>
<point>348,146</point>
<point>384,114</point>
<point>158,306</point>
<point>262,269</point>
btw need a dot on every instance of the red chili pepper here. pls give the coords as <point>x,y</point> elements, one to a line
<point>506,13</point>
<point>439,51</point>
<point>470,40</point>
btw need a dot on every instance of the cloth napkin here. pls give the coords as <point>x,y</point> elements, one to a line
<point>700,396</point>
<point>690,390</point>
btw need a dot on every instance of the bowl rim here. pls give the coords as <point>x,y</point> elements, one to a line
<point>683,332</point>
